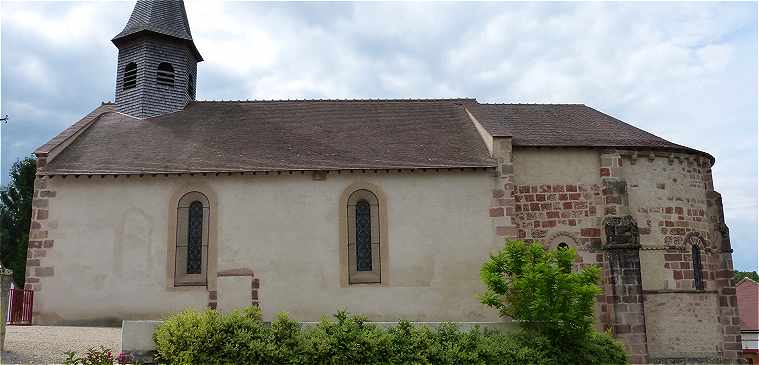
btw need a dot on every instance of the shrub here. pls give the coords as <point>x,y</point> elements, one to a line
<point>527,283</point>
<point>409,344</point>
<point>475,346</point>
<point>241,338</point>
<point>598,348</point>
<point>94,356</point>
<point>348,340</point>
<point>554,304</point>
<point>286,340</point>
<point>210,337</point>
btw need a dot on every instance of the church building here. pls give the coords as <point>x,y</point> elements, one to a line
<point>159,202</point>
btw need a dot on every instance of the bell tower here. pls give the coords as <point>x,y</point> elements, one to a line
<point>157,63</point>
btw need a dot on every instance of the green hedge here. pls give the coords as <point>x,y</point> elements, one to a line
<point>241,337</point>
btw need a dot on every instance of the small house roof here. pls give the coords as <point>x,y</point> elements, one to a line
<point>747,292</point>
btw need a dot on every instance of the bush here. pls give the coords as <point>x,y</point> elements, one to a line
<point>94,356</point>
<point>240,337</point>
<point>348,340</point>
<point>596,348</point>
<point>210,337</point>
<point>536,286</point>
<point>554,304</point>
<point>452,346</point>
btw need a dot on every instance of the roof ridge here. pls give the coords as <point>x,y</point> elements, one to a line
<point>397,100</point>
<point>581,104</point>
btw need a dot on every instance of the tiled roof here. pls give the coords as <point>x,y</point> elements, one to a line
<point>74,128</point>
<point>573,125</point>
<point>280,135</point>
<point>237,136</point>
<point>164,17</point>
<point>747,292</point>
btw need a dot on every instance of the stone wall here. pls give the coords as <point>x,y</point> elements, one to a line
<point>502,209</point>
<point>38,267</point>
<point>668,197</point>
<point>683,325</point>
<point>540,209</point>
<point>673,199</point>
<point>671,205</point>
<point>625,301</point>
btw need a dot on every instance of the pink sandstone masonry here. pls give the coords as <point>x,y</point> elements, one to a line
<point>502,203</point>
<point>671,204</point>
<point>539,208</point>
<point>40,245</point>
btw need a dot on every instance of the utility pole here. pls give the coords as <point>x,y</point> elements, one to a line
<point>3,120</point>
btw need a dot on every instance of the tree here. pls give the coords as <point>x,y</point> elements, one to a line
<point>538,287</point>
<point>16,215</point>
<point>746,274</point>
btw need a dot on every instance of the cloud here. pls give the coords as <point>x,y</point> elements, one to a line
<point>684,71</point>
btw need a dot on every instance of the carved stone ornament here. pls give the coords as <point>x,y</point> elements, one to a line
<point>725,235</point>
<point>694,239</point>
<point>621,231</point>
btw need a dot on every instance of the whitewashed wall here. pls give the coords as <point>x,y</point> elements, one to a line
<point>111,238</point>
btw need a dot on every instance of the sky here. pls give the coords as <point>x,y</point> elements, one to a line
<point>686,72</point>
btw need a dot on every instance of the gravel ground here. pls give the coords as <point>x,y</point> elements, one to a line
<point>46,344</point>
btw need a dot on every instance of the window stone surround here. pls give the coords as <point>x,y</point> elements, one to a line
<point>171,243</point>
<point>344,240</point>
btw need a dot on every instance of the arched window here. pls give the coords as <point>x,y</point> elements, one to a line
<point>698,279</point>
<point>165,75</point>
<point>562,240</point>
<point>190,86</point>
<point>130,76</point>
<point>191,258</point>
<point>363,217</point>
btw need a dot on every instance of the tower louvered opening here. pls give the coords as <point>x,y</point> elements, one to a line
<point>130,76</point>
<point>165,75</point>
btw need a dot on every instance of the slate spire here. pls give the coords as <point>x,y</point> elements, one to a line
<point>157,63</point>
<point>162,17</point>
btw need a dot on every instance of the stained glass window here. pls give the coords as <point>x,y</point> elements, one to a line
<point>363,236</point>
<point>195,238</point>
<point>698,280</point>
